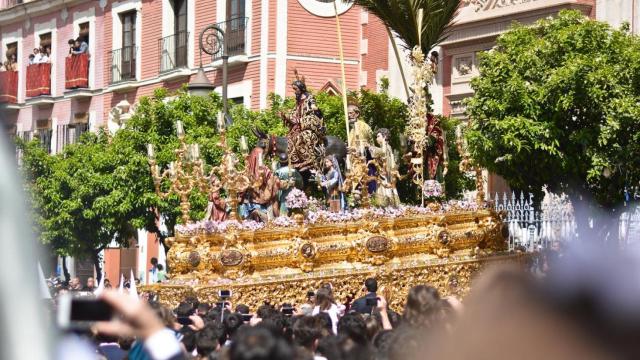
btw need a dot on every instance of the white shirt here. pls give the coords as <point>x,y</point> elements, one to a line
<point>37,58</point>
<point>44,59</point>
<point>333,312</point>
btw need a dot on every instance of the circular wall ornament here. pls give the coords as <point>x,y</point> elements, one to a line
<point>231,258</point>
<point>377,244</point>
<point>324,8</point>
<point>194,259</point>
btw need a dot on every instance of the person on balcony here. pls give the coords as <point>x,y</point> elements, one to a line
<point>44,55</point>
<point>36,56</point>
<point>80,47</point>
<point>31,59</point>
<point>71,44</point>
<point>11,64</point>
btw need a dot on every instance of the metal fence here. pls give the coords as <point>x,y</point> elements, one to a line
<point>123,64</point>
<point>173,50</point>
<point>534,227</point>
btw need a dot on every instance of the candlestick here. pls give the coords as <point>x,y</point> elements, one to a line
<point>244,148</point>
<point>150,152</point>
<point>220,122</point>
<point>179,128</point>
<point>196,150</point>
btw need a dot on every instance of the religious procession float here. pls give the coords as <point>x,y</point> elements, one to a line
<point>266,238</point>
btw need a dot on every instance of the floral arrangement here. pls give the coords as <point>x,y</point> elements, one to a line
<point>212,227</point>
<point>432,189</point>
<point>297,199</point>
<point>283,221</point>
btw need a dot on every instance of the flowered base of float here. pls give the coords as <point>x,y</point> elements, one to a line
<point>351,246</point>
<point>452,276</point>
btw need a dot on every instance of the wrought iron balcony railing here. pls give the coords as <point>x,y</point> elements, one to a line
<point>173,50</point>
<point>123,64</point>
<point>235,31</point>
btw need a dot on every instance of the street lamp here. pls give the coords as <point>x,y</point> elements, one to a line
<point>200,84</point>
<point>213,42</point>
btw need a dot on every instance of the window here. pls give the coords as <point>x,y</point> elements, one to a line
<point>125,58</point>
<point>237,100</point>
<point>83,32</point>
<point>235,9</point>
<point>70,134</point>
<point>11,57</point>
<point>180,31</point>
<point>45,44</point>
<point>44,133</point>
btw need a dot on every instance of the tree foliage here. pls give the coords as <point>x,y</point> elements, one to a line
<point>556,104</point>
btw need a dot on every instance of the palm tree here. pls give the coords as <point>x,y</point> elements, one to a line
<point>402,16</point>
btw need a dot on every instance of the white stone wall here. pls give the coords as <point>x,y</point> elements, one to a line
<point>615,12</point>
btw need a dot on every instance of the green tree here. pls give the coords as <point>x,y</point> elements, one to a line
<point>556,104</point>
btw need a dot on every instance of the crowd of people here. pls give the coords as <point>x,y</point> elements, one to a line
<point>41,55</point>
<point>10,64</point>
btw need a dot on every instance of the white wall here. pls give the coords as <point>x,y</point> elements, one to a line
<point>615,12</point>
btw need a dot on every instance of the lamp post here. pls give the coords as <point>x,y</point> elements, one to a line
<point>213,42</point>
<point>200,84</point>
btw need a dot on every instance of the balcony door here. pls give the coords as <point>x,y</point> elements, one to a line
<point>180,31</point>
<point>235,29</point>
<point>128,51</point>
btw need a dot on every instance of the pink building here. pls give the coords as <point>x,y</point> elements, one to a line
<point>136,46</point>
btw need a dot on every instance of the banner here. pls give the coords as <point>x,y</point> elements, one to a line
<point>76,69</point>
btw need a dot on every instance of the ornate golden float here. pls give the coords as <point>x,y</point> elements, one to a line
<point>280,264</point>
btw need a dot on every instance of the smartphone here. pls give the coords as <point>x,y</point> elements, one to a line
<point>224,293</point>
<point>73,310</point>
<point>184,320</point>
<point>287,311</point>
<point>246,317</point>
<point>371,301</point>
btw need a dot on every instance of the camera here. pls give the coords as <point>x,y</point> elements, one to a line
<point>74,311</point>
<point>371,302</point>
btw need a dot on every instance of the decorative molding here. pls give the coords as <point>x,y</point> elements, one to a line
<point>102,4</point>
<point>464,65</point>
<point>27,24</point>
<point>64,15</point>
<point>485,5</point>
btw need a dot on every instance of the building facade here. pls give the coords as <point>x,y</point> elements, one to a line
<point>135,47</point>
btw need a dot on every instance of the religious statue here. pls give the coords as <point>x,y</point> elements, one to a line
<point>217,207</point>
<point>360,137</point>
<point>384,160</point>
<point>435,146</point>
<point>331,182</point>
<point>289,178</point>
<point>258,200</point>
<point>305,140</point>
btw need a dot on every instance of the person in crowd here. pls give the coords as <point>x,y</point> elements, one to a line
<point>325,304</point>
<point>161,275</point>
<point>45,54</point>
<point>72,48</point>
<point>75,284</point>
<point>367,303</point>
<point>79,46</point>
<point>36,56</point>
<point>90,286</point>
<point>12,63</point>
<point>110,347</point>
<point>31,59</point>
<point>307,332</point>
<point>422,307</point>
<point>153,271</point>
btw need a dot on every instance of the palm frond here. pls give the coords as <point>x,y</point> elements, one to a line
<point>401,16</point>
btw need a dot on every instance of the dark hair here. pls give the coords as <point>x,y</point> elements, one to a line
<point>188,338</point>
<point>328,347</point>
<point>423,304</point>
<point>373,326</point>
<point>160,267</point>
<point>207,340</point>
<point>382,341</point>
<point>242,309</point>
<point>371,284</point>
<point>126,342</point>
<point>353,326</point>
<point>306,331</point>
<point>264,311</point>
<point>31,56</point>
<point>324,298</point>
<point>231,324</point>
<point>154,261</point>
<point>325,322</point>
<point>184,309</point>
<point>203,308</point>
<point>71,42</point>
<point>257,343</point>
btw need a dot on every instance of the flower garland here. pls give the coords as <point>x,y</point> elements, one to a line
<point>296,199</point>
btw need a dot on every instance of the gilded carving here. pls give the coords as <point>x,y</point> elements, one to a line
<point>231,258</point>
<point>377,244</point>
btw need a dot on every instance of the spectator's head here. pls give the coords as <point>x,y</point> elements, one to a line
<point>91,283</point>
<point>264,311</point>
<point>373,326</point>
<point>160,267</point>
<point>207,340</point>
<point>154,261</point>
<point>13,58</point>
<point>326,324</point>
<point>324,298</point>
<point>422,306</point>
<point>231,324</point>
<point>353,326</point>
<point>371,285</point>
<point>31,56</point>
<point>382,342</point>
<point>188,339</point>
<point>76,43</point>
<point>242,309</point>
<point>36,51</point>
<point>202,309</point>
<point>257,343</point>
<point>184,309</point>
<point>71,42</point>
<point>307,331</point>
<point>107,282</point>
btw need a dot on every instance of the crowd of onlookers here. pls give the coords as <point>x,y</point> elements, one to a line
<point>42,55</point>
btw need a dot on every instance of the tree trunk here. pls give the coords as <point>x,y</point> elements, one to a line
<point>65,271</point>
<point>95,256</point>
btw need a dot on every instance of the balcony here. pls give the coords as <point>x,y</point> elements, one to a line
<point>173,50</point>
<point>76,71</point>
<point>8,87</point>
<point>39,80</point>
<point>235,31</point>
<point>123,64</point>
